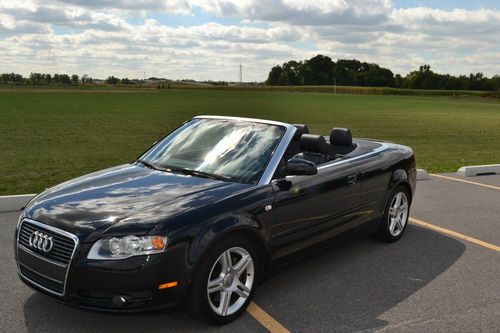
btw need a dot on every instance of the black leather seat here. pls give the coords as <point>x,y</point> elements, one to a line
<point>314,148</point>
<point>340,142</point>
<point>294,146</point>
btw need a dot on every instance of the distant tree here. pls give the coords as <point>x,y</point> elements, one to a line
<point>74,79</point>
<point>112,80</point>
<point>12,78</point>
<point>126,81</point>
<point>318,71</point>
<point>47,78</point>
<point>274,77</point>
<point>65,79</point>
<point>398,81</point>
<point>292,73</point>
<point>495,82</point>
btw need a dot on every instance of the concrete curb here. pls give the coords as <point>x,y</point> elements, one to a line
<point>475,170</point>
<point>12,203</point>
<point>422,175</point>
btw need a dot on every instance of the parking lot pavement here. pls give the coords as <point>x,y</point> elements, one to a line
<point>493,180</point>
<point>466,208</point>
<point>427,282</point>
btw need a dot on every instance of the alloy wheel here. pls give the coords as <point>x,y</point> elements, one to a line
<point>398,214</point>
<point>230,281</point>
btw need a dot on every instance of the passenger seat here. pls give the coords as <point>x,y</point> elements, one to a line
<point>314,148</point>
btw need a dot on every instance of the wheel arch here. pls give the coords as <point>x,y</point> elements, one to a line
<point>249,232</point>
<point>399,177</point>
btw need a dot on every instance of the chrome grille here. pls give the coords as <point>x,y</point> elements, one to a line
<point>45,268</point>
<point>62,249</point>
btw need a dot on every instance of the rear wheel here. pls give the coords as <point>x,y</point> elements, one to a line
<point>224,284</point>
<point>395,215</point>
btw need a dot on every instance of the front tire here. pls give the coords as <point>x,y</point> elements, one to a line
<point>225,281</point>
<point>396,214</point>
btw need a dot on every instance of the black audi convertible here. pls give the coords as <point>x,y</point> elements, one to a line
<point>201,217</point>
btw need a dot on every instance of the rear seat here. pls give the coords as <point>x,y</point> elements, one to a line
<point>340,142</point>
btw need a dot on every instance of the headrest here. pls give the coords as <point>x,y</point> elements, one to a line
<point>301,129</point>
<point>313,143</point>
<point>341,137</point>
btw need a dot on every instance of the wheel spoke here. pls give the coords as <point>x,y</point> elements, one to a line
<point>398,200</point>
<point>242,265</point>
<point>403,208</point>
<point>226,261</point>
<point>225,297</point>
<point>399,223</point>
<point>215,285</point>
<point>392,225</point>
<point>242,290</point>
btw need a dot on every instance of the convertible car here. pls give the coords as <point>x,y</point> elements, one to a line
<point>203,214</point>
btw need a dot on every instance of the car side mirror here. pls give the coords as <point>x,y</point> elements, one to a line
<point>300,167</point>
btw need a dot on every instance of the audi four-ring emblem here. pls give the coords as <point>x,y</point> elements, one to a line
<point>41,241</point>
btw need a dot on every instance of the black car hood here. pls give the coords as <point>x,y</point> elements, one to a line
<point>122,200</point>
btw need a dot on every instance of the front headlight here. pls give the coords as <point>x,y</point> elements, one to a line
<point>128,246</point>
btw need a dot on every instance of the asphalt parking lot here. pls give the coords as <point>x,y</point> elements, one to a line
<point>430,281</point>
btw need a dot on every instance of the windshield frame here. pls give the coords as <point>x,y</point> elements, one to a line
<point>275,157</point>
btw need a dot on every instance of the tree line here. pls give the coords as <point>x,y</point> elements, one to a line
<point>322,70</point>
<point>60,79</point>
<point>44,79</point>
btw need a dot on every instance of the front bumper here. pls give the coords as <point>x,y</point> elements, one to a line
<point>105,284</point>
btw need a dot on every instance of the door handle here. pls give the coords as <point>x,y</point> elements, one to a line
<point>352,179</point>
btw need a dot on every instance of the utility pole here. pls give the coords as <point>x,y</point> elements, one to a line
<point>241,74</point>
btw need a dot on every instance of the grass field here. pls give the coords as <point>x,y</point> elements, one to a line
<point>48,137</point>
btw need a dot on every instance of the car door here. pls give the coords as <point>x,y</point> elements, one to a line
<point>375,171</point>
<point>309,209</point>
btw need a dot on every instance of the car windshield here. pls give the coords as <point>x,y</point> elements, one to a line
<point>234,150</point>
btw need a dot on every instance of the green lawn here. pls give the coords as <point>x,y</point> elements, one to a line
<point>48,137</point>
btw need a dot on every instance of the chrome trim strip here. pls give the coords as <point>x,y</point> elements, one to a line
<point>279,151</point>
<point>277,155</point>
<point>252,120</point>
<point>55,230</point>
<point>384,146</point>
<point>40,257</point>
<point>45,276</point>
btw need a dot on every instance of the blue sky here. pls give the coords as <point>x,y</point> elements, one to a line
<point>204,40</point>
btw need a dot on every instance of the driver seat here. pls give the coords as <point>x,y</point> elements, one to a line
<point>314,149</point>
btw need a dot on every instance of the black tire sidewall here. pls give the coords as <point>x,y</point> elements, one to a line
<point>198,305</point>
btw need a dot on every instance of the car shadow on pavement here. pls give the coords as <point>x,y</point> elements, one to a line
<point>343,288</point>
<point>348,286</point>
<point>43,314</point>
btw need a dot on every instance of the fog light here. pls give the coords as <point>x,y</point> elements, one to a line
<point>119,300</point>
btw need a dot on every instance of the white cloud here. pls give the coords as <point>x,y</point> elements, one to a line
<point>98,38</point>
